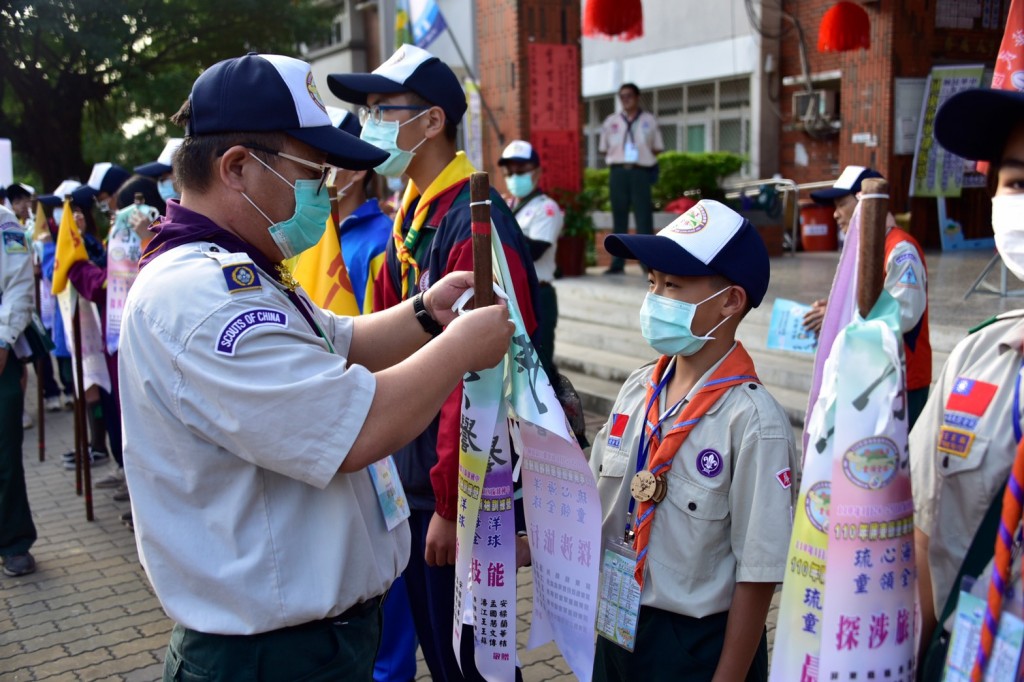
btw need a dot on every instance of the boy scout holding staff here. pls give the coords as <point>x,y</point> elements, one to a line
<point>695,464</point>
<point>964,443</point>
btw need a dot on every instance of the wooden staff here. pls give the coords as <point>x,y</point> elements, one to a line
<point>40,399</point>
<point>83,468</point>
<point>874,209</point>
<point>480,213</point>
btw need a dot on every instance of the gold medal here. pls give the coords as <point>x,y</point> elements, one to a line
<point>643,486</point>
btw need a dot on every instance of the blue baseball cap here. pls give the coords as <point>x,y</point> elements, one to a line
<point>345,120</point>
<point>521,151</point>
<point>975,124</point>
<point>56,198</point>
<point>83,197</point>
<point>273,93</point>
<point>848,183</point>
<point>107,177</point>
<point>164,162</point>
<point>709,239</point>
<point>409,69</point>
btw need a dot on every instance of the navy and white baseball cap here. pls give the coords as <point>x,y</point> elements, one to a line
<point>409,69</point>
<point>107,177</point>
<point>849,182</point>
<point>975,124</point>
<point>345,120</point>
<point>83,197</point>
<point>521,151</point>
<point>56,198</point>
<point>709,239</point>
<point>164,162</point>
<point>273,93</point>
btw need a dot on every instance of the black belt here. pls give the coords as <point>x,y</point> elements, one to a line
<point>359,610</point>
<point>629,166</point>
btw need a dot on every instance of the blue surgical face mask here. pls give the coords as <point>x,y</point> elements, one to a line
<point>665,324</point>
<point>166,189</point>
<point>520,184</point>
<point>384,136</point>
<point>307,225</point>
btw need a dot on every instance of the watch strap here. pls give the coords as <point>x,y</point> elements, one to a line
<point>424,317</point>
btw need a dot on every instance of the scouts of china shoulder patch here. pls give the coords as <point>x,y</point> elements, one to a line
<point>955,441</point>
<point>242,323</point>
<point>241,277</point>
<point>618,428</point>
<point>14,242</point>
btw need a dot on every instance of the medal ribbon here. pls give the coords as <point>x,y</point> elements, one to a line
<point>735,369</point>
<point>455,173</point>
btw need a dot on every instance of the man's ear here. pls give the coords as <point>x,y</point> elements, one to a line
<point>233,166</point>
<point>435,122</point>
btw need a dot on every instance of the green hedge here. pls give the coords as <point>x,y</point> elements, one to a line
<point>679,172</point>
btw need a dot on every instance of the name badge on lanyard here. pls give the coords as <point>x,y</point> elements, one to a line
<point>618,609</point>
<point>630,154</point>
<point>390,493</point>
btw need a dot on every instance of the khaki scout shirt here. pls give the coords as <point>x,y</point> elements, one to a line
<point>714,528</point>
<point>963,444</point>
<point>645,135</point>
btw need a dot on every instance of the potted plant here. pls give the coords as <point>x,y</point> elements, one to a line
<point>577,230</point>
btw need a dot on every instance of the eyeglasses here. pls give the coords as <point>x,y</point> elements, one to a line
<point>322,168</point>
<point>375,113</point>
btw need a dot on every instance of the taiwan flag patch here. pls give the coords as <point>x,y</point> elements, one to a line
<point>970,396</point>
<point>618,428</point>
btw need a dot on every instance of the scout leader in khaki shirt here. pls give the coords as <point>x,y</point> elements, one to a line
<point>718,525</point>
<point>630,136</point>
<point>963,445</point>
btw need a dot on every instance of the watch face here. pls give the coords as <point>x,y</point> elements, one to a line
<point>643,485</point>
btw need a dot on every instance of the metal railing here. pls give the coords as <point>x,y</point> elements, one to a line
<point>790,193</point>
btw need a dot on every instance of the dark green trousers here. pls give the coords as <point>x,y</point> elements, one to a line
<point>17,532</point>
<point>341,648</point>
<point>547,319</point>
<point>916,400</point>
<point>670,648</point>
<point>630,188</point>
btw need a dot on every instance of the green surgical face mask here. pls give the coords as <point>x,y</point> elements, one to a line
<point>307,225</point>
<point>520,184</point>
<point>384,136</point>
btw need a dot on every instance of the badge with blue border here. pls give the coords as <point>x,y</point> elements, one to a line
<point>955,441</point>
<point>241,277</point>
<point>14,242</point>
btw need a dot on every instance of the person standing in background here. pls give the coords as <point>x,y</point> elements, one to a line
<point>631,142</point>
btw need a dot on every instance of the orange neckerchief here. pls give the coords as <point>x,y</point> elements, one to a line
<point>455,172</point>
<point>737,368</point>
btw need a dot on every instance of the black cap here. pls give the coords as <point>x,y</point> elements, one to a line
<point>975,124</point>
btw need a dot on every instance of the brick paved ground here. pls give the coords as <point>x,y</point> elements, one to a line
<point>88,612</point>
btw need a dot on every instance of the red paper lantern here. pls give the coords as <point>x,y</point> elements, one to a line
<point>619,19</point>
<point>844,27</point>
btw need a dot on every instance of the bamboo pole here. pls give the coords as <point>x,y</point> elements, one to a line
<point>874,209</point>
<point>480,213</point>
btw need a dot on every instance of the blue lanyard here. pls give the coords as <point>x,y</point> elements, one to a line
<point>644,446</point>
<point>1016,404</point>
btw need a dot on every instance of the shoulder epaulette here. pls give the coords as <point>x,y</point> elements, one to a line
<point>995,318</point>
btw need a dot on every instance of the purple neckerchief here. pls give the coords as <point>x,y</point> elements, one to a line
<point>183,226</point>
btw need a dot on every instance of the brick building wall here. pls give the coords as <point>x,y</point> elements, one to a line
<point>905,43</point>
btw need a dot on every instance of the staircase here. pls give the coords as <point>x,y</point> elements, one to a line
<point>598,342</point>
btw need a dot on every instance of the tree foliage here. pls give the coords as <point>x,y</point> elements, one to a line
<point>73,72</point>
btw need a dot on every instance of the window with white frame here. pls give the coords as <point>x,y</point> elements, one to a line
<point>696,117</point>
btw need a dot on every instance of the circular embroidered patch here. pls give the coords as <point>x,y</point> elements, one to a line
<point>709,463</point>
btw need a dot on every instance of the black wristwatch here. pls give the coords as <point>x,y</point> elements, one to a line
<point>424,317</point>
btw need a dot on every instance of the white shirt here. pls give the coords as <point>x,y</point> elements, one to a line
<point>16,297</point>
<point>541,219</point>
<point>906,280</point>
<point>236,418</point>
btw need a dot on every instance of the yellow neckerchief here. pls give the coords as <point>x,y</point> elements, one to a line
<point>455,172</point>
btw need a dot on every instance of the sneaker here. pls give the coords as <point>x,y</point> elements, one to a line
<point>96,458</point>
<point>122,494</point>
<point>18,564</point>
<point>27,422</point>
<point>126,519</point>
<point>69,402</point>
<point>114,480</point>
<point>53,404</point>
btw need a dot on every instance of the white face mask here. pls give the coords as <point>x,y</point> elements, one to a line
<point>1008,225</point>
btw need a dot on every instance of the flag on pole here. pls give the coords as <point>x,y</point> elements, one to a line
<point>848,599</point>
<point>70,248</point>
<point>1009,71</point>
<point>40,227</point>
<point>321,272</point>
<point>418,22</point>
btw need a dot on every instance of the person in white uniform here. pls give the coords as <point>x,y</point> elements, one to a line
<point>251,415</point>
<point>540,219</point>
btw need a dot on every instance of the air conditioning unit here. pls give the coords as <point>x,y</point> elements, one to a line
<point>820,104</point>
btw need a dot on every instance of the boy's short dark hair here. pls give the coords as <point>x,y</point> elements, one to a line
<point>630,86</point>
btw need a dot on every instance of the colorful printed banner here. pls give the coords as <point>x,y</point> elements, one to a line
<point>848,604</point>
<point>937,172</point>
<point>419,22</point>
<point>94,365</point>
<point>124,248</point>
<point>515,403</point>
